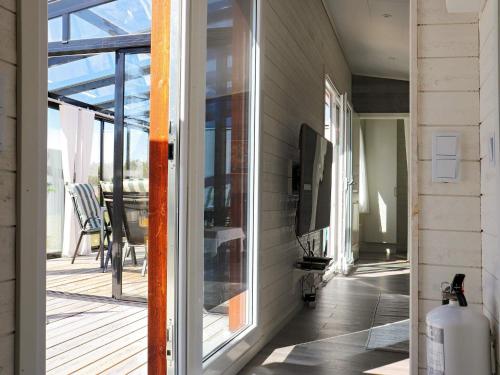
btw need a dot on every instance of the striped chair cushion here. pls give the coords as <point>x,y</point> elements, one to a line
<point>87,206</point>
<point>129,186</point>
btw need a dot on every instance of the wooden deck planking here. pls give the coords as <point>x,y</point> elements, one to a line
<point>89,332</point>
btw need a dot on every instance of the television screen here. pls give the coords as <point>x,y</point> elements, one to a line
<point>315,187</point>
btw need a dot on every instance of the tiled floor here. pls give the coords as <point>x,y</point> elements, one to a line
<point>331,339</point>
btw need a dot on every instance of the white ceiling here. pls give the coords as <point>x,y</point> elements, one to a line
<point>374,35</point>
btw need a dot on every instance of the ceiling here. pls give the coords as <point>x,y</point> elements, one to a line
<point>374,35</point>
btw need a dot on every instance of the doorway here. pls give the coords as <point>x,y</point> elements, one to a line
<point>383,218</point>
<point>338,238</point>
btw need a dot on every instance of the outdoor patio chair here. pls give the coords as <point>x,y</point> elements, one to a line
<point>135,215</point>
<point>89,213</point>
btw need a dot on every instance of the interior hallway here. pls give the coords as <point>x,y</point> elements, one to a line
<point>336,337</point>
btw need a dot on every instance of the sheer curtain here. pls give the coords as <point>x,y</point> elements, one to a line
<point>76,125</point>
<point>364,204</point>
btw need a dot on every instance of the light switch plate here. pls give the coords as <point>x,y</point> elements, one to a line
<point>445,157</point>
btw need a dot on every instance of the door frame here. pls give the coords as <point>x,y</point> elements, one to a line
<point>347,182</point>
<point>234,354</point>
<point>31,189</point>
<point>333,247</point>
<point>31,155</point>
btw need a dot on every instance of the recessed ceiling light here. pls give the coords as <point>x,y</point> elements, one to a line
<point>387,15</point>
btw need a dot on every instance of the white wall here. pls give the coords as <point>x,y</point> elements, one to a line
<point>379,224</point>
<point>299,46</point>
<point>489,127</point>
<point>448,99</point>
<point>7,184</point>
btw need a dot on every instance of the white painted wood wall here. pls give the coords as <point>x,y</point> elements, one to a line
<point>489,112</point>
<point>298,48</point>
<point>8,186</point>
<point>448,99</point>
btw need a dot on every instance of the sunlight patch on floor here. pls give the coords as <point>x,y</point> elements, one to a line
<point>396,368</point>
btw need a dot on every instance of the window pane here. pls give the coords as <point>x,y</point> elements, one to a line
<point>55,183</point>
<point>136,153</point>
<point>55,30</point>
<point>227,293</point>
<point>88,79</point>
<point>108,147</point>
<point>121,17</point>
<point>95,157</point>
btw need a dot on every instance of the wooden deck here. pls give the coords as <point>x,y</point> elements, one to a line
<point>88,332</point>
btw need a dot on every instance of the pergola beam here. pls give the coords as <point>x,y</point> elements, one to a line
<point>101,23</point>
<point>97,83</point>
<point>60,60</point>
<point>61,7</point>
<point>99,45</point>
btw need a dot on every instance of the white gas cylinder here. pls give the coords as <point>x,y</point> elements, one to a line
<point>458,341</point>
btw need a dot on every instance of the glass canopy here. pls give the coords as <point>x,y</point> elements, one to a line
<point>89,78</point>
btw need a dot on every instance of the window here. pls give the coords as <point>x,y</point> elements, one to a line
<point>229,159</point>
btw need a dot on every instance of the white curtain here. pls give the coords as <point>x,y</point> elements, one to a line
<point>77,131</point>
<point>364,204</point>
<point>83,159</point>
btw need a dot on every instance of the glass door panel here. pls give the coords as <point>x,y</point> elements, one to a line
<point>128,195</point>
<point>136,175</point>
<point>228,193</point>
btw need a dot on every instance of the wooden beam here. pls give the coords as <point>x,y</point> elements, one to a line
<point>158,188</point>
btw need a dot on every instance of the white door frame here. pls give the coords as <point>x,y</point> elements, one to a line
<point>31,186</point>
<point>346,181</point>
<point>335,137</point>
<point>232,357</point>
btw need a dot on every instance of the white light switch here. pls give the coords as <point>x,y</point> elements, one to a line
<point>445,157</point>
<point>446,145</point>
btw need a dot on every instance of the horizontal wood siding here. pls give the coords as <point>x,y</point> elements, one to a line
<point>489,128</point>
<point>448,99</point>
<point>7,185</point>
<point>298,48</point>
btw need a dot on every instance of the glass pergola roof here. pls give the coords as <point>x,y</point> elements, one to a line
<point>104,27</point>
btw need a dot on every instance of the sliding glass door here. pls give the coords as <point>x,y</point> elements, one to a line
<point>228,188</point>
<point>348,180</point>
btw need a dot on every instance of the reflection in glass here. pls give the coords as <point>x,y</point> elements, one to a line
<point>136,174</point>
<point>227,132</point>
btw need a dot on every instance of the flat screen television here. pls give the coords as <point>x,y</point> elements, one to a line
<point>315,181</point>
